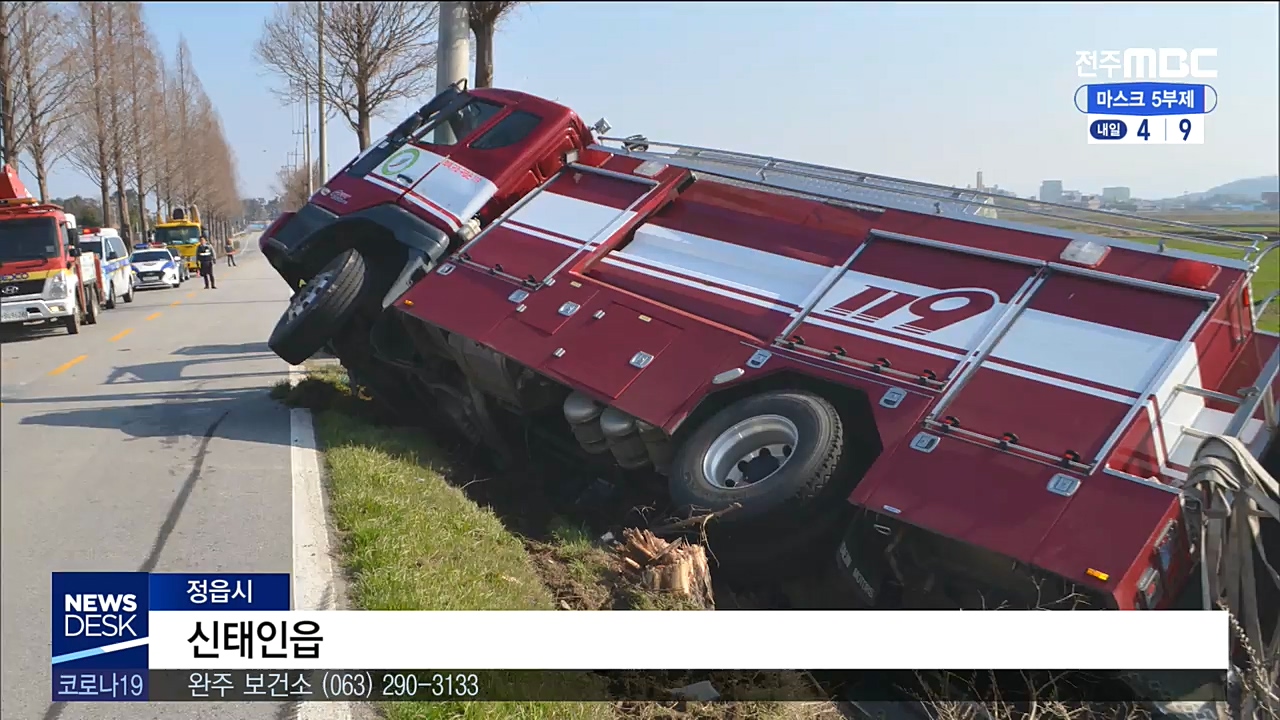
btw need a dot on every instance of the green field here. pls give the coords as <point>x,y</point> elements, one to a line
<point>1265,281</point>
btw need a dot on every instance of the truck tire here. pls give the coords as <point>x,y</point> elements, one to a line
<point>111,296</point>
<point>128,296</point>
<point>93,306</point>
<point>320,309</point>
<point>72,322</point>
<point>777,454</point>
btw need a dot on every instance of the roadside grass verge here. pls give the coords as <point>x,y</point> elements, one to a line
<point>410,540</point>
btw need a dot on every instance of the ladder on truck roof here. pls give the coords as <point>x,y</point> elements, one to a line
<point>872,192</point>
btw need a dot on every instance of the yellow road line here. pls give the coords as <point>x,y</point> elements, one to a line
<point>191,294</point>
<point>67,365</point>
<point>153,316</point>
<point>120,334</point>
<point>175,303</point>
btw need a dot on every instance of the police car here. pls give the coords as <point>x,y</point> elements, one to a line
<point>117,276</point>
<point>155,268</point>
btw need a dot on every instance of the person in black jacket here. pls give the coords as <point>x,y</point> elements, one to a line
<point>204,256</point>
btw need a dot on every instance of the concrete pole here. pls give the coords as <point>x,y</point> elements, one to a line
<point>324,153</point>
<point>306,134</point>
<point>453,53</point>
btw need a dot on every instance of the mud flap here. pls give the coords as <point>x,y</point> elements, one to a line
<point>861,564</point>
<point>416,268</point>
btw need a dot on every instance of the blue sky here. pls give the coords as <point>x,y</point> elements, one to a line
<point>932,92</point>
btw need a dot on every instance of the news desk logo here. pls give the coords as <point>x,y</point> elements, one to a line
<point>101,623</point>
<point>100,620</point>
<point>100,634</point>
<point>1136,104</point>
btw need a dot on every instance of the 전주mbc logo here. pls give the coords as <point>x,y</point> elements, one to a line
<point>1144,63</point>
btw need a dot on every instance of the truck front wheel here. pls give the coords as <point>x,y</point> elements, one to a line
<point>72,322</point>
<point>319,309</point>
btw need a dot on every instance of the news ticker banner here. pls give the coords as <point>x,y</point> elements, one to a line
<point>138,636</point>
<point>1185,687</point>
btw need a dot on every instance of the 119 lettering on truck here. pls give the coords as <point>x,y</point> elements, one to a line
<point>956,409</point>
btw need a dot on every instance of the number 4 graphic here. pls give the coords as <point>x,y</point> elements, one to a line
<point>1143,131</point>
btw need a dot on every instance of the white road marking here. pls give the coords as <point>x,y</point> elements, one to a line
<point>314,578</point>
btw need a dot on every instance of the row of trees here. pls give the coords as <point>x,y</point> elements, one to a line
<point>87,83</point>
<point>376,56</point>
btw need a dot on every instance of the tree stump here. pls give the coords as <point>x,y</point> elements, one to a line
<point>676,567</point>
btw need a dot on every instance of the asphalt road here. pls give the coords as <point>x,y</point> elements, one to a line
<point>147,442</point>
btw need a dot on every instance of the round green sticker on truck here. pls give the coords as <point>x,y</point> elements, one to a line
<point>401,161</point>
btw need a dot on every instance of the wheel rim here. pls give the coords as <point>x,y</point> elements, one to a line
<point>750,452</point>
<point>306,296</point>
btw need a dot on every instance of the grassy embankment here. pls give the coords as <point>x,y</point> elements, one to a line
<point>412,539</point>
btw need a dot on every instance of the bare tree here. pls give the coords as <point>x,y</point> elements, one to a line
<point>85,80</point>
<point>376,54</point>
<point>143,73</point>
<point>164,135</point>
<point>11,134</point>
<point>291,186</point>
<point>47,82</point>
<point>484,19</point>
<point>118,134</point>
<point>90,150</point>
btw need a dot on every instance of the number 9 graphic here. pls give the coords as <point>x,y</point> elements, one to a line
<point>1184,127</point>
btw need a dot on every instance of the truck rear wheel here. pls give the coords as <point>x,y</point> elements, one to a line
<point>111,296</point>
<point>776,454</point>
<point>92,307</point>
<point>320,309</point>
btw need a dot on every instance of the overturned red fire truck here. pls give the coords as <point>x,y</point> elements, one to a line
<point>964,410</point>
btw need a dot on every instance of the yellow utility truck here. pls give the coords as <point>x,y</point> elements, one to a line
<point>181,233</point>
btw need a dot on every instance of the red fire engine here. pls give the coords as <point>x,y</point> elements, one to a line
<point>43,275</point>
<point>1012,410</point>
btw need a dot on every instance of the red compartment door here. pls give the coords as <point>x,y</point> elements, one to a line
<point>1074,362</point>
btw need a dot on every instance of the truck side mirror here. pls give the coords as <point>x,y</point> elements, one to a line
<point>73,251</point>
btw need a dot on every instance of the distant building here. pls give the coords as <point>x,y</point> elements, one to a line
<point>1069,197</point>
<point>1051,191</point>
<point>1115,194</point>
<point>1271,199</point>
<point>1092,202</point>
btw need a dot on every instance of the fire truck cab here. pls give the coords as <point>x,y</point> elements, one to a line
<point>989,411</point>
<point>44,278</point>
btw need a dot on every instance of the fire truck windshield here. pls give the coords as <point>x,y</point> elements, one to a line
<point>460,123</point>
<point>28,239</point>
<point>178,235</point>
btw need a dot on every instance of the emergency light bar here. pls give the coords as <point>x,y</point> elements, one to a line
<point>20,201</point>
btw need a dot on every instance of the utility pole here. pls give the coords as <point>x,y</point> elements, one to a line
<point>306,134</point>
<point>453,51</point>
<point>324,154</point>
<point>4,90</point>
